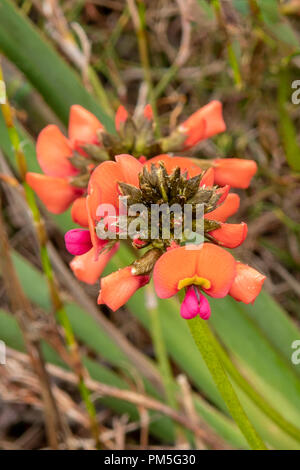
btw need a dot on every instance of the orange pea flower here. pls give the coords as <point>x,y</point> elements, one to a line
<point>54,152</point>
<point>207,265</point>
<point>118,287</point>
<point>247,283</point>
<point>203,124</point>
<point>184,163</point>
<point>210,269</point>
<point>236,172</point>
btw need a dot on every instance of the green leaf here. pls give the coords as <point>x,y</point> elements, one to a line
<point>269,11</point>
<point>284,32</point>
<point>275,324</point>
<point>60,86</point>
<point>286,125</point>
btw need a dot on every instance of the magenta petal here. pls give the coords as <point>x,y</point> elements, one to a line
<point>78,241</point>
<point>204,310</point>
<point>190,306</point>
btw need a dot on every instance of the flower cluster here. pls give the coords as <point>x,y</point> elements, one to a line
<point>207,267</point>
<point>84,171</point>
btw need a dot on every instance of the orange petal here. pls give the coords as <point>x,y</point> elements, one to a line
<point>79,212</point>
<point>103,189</point>
<point>206,261</point>
<point>234,171</point>
<point>53,151</point>
<point>56,193</point>
<point>184,163</point>
<point>121,117</point>
<point>92,211</point>
<point>83,126</point>
<point>86,269</point>
<point>195,131</point>
<point>204,123</point>
<point>118,287</point>
<point>130,167</point>
<point>208,178</point>
<point>226,209</point>
<point>107,175</point>
<point>173,266</point>
<point>218,266</point>
<point>247,283</point>
<point>223,193</point>
<point>230,235</point>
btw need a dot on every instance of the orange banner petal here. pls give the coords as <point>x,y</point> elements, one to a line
<point>230,235</point>
<point>247,284</point>
<point>234,171</point>
<point>53,152</point>
<point>226,209</point>
<point>83,125</point>
<point>56,193</point>
<point>118,287</point>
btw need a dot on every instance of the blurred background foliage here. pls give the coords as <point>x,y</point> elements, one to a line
<point>244,53</point>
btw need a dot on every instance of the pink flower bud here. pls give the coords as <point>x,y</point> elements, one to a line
<point>78,241</point>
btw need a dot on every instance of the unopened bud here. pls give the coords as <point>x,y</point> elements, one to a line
<point>145,264</point>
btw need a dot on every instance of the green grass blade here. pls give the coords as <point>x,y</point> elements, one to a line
<point>286,125</point>
<point>60,86</point>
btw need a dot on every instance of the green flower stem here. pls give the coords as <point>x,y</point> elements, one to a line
<point>99,90</point>
<point>261,403</point>
<point>58,306</point>
<point>233,60</point>
<point>202,337</point>
<point>138,18</point>
<point>165,80</point>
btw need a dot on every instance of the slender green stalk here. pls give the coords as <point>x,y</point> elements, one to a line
<point>160,348</point>
<point>138,18</point>
<point>202,336</point>
<point>58,306</point>
<point>232,58</point>
<point>99,90</point>
<point>261,403</point>
<point>165,80</point>
<point>234,65</point>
